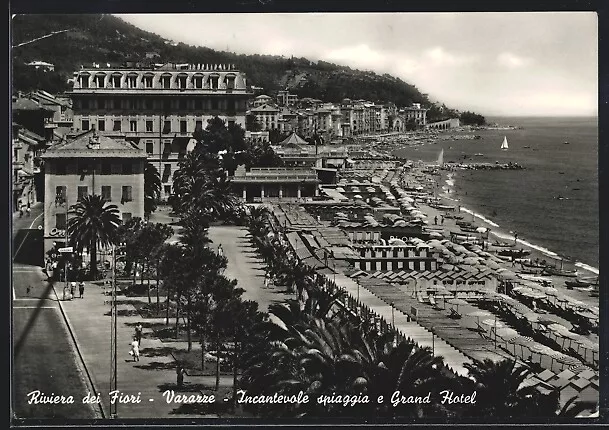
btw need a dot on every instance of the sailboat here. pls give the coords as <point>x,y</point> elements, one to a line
<point>504,145</point>
<point>441,158</point>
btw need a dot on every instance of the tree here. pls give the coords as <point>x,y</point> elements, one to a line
<point>150,238</point>
<point>94,223</point>
<point>152,188</point>
<point>500,390</point>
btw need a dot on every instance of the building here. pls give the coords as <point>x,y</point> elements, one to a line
<point>91,164</point>
<point>42,65</point>
<point>158,107</point>
<point>274,183</point>
<point>262,100</point>
<point>415,113</point>
<point>267,116</point>
<point>63,115</point>
<point>284,98</point>
<point>26,146</point>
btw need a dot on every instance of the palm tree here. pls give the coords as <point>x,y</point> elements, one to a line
<point>152,188</point>
<point>500,390</point>
<point>94,223</point>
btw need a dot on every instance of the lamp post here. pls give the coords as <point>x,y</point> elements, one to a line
<point>114,338</point>
<point>433,343</point>
<point>392,316</point>
<point>65,260</point>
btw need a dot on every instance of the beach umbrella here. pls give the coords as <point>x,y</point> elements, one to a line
<point>493,323</point>
<point>507,333</point>
<point>481,230</point>
<point>457,302</point>
<point>479,314</point>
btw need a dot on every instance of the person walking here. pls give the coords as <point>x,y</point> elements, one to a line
<point>180,375</point>
<point>442,220</point>
<point>81,288</point>
<point>138,333</point>
<point>435,220</point>
<point>220,250</point>
<point>135,350</point>
<point>29,289</point>
<point>28,211</point>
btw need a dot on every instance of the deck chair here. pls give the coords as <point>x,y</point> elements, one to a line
<point>432,301</point>
<point>454,314</point>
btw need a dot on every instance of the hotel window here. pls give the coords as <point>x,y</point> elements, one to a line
<point>166,148</point>
<point>84,124</point>
<point>60,194</point>
<point>166,106</point>
<point>214,104</point>
<point>100,81</point>
<point>82,192</point>
<point>60,221</point>
<point>167,171</point>
<point>106,168</point>
<point>117,125</point>
<point>198,104</point>
<point>127,194</point>
<point>167,126</point>
<point>198,81</point>
<point>85,103</point>
<point>84,81</point>
<point>130,104</point>
<point>166,82</point>
<point>213,82</point>
<point>182,104</point>
<point>199,125</point>
<point>230,82</point>
<point>149,147</point>
<point>132,125</point>
<point>126,216</point>
<point>167,189</point>
<point>101,125</point>
<point>182,82</point>
<point>127,168</point>
<point>110,103</point>
<point>106,191</point>
<point>132,81</point>
<point>148,104</point>
<point>183,126</point>
<point>149,125</point>
<point>148,81</point>
<point>116,81</point>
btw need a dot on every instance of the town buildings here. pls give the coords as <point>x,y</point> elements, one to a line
<point>158,107</point>
<point>42,65</point>
<point>91,164</point>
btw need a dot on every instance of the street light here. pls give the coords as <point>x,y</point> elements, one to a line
<point>433,345</point>
<point>114,338</point>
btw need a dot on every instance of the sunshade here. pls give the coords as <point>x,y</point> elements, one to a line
<point>493,323</point>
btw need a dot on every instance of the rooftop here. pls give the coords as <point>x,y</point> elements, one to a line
<point>89,144</point>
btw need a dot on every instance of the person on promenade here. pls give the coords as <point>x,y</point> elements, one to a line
<point>138,333</point>
<point>135,350</point>
<point>28,211</point>
<point>29,289</point>
<point>81,288</point>
<point>180,375</point>
<point>435,220</point>
<point>442,220</point>
<point>72,289</point>
<point>220,250</point>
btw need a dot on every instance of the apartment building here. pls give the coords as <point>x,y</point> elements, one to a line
<point>91,164</point>
<point>267,116</point>
<point>284,98</point>
<point>158,107</point>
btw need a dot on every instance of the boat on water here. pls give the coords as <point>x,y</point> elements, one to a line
<point>514,253</point>
<point>479,154</point>
<point>527,146</point>
<point>566,142</point>
<point>503,244</point>
<point>553,271</point>
<point>504,144</point>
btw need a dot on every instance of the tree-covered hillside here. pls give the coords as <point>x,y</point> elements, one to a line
<point>107,39</point>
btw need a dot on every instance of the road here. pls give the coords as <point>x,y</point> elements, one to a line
<point>43,353</point>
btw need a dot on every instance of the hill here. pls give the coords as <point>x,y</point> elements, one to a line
<point>107,39</point>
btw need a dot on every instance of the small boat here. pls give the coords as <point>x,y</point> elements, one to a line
<point>504,144</point>
<point>515,253</point>
<point>479,155</point>
<point>566,142</point>
<point>527,146</point>
<point>553,271</point>
<point>503,244</point>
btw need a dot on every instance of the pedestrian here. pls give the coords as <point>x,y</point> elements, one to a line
<point>29,289</point>
<point>135,350</point>
<point>435,220</point>
<point>442,220</point>
<point>180,375</point>
<point>72,289</point>
<point>81,288</point>
<point>28,211</point>
<point>20,212</point>
<point>220,250</point>
<point>138,333</point>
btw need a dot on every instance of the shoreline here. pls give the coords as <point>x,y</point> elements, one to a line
<point>504,235</point>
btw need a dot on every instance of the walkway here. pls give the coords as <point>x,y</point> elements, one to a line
<point>246,266</point>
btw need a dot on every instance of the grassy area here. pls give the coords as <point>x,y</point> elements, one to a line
<point>46,363</point>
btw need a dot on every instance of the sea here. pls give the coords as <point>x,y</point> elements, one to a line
<point>552,204</point>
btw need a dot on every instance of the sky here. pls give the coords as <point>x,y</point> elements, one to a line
<point>513,64</point>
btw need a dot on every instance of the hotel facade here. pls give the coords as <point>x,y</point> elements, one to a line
<point>158,107</point>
